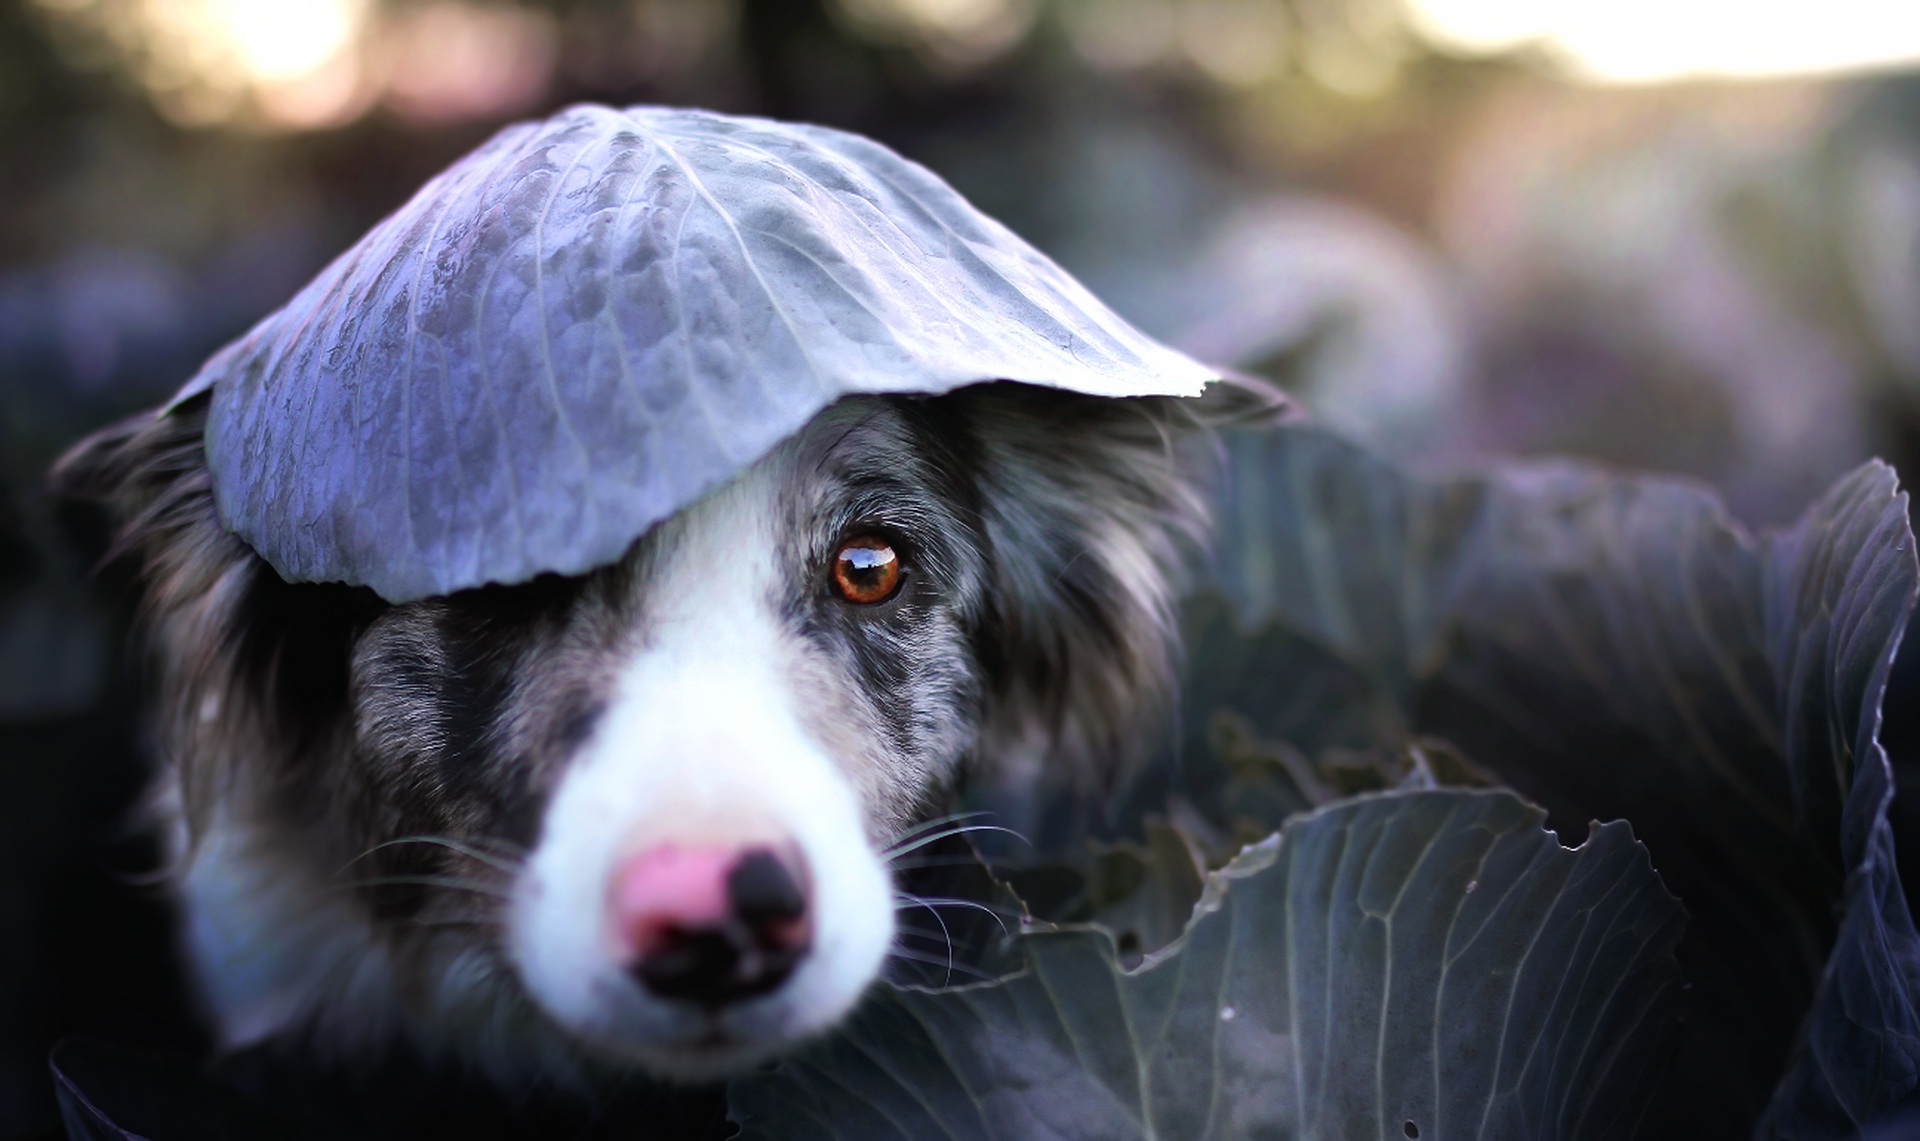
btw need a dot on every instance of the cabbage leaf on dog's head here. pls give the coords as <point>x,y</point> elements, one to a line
<point>583,325</point>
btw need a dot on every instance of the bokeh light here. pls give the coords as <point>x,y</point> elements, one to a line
<point>213,60</point>
<point>304,64</point>
<point>447,61</point>
<point>961,32</point>
<point>1643,41</point>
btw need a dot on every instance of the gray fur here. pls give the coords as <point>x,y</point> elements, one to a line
<point>1045,536</point>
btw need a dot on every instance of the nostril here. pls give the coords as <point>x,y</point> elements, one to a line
<point>765,895</point>
<point>711,926</point>
<point>696,964</point>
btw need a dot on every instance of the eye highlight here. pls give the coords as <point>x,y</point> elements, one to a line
<point>866,570</point>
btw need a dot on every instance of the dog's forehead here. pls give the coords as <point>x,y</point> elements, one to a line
<point>853,435</point>
<point>858,445</point>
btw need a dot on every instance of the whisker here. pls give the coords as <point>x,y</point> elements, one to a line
<point>905,902</point>
<point>498,844</point>
<point>506,860</point>
<point>920,932</point>
<point>452,883</point>
<point>914,930</point>
<point>938,918</point>
<point>904,847</point>
<point>460,921</point>
<point>941,862</point>
<point>926,825</point>
<point>934,961</point>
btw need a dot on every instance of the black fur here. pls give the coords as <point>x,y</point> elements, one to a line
<point>1043,535</point>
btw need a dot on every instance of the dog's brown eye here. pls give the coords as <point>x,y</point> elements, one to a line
<point>865,570</point>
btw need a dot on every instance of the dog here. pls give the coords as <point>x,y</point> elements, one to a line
<point>642,818</point>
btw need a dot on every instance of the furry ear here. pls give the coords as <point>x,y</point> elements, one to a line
<point>98,467</point>
<point>250,664</point>
<point>149,470</point>
<point>1243,400</point>
<point>1094,510</point>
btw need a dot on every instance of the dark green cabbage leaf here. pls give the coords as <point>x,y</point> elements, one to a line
<point>1615,647</point>
<point>575,330</point>
<point>1415,964</point>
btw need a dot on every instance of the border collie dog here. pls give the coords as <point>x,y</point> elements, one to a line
<point>641,817</point>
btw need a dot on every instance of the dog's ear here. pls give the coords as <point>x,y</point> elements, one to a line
<point>103,467</point>
<point>250,665</point>
<point>149,471</point>
<point>1243,400</point>
<point>1094,510</point>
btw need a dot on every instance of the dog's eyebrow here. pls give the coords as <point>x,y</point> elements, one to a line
<point>827,453</point>
<point>890,501</point>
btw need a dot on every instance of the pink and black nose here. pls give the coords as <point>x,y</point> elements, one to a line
<point>711,925</point>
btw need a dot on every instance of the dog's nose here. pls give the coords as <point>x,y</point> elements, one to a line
<point>711,925</point>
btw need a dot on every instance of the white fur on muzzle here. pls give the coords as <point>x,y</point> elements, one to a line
<point>704,743</point>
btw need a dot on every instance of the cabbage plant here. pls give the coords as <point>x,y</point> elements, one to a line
<point>1543,801</point>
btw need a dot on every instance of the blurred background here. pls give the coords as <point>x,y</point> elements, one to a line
<point>1681,235</point>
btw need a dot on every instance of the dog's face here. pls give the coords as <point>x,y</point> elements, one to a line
<point>772,684</point>
<point>649,808</point>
